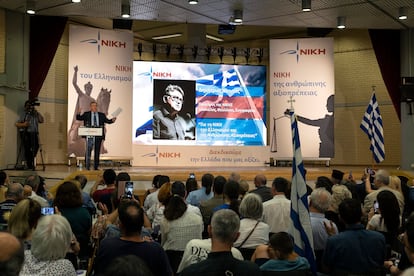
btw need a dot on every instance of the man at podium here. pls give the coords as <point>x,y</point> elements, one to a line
<point>94,119</point>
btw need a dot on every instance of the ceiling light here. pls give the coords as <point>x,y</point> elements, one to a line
<point>306,5</point>
<point>402,13</point>
<point>166,36</point>
<point>125,11</point>
<point>193,2</point>
<point>341,22</point>
<point>214,38</point>
<point>30,7</point>
<point>76,1</point>
<point>233,22</point>
<point>238,16</point>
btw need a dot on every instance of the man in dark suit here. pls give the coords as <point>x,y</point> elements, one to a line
<point>94,118</point>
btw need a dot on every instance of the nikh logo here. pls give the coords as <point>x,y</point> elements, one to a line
<point>304,52</point>
<point>104,43</point>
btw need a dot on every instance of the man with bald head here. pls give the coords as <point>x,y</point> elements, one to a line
<point>13,195</point>
<point>11,254</point>
<point>261,189</point>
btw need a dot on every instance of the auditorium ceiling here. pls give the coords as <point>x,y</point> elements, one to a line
<point>262,19</point>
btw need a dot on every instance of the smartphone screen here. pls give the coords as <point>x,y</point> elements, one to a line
<point>192,175</point>
<point>376,206</point>
<point>48,211</point>
<point>129,189</point>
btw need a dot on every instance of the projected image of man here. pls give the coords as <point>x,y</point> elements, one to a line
<point>167,123</point>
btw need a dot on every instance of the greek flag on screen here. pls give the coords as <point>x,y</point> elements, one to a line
<point>228,80</point>
<point>371,124</point>
<point>299,211</point>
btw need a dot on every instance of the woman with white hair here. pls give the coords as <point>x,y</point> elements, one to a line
<point>253,232</point>
<point>50,242</point>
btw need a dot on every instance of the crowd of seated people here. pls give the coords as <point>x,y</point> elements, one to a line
<point>354,231</point>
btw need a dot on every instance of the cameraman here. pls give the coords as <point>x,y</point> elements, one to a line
<point>28,126</point>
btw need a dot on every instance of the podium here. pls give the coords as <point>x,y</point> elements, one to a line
<point>90,131</point>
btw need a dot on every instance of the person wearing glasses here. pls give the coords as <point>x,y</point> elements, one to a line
<point>167,124</point>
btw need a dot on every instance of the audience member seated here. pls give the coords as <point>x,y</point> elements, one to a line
<point>386,219</point>
<point>191,185</point>
<point>203,194</point>
<point>104,195</point>
<point>13,195</point>
<point>339,193</point>
<point>320,200</point>
<point>262,190</point>
<point>324,182</point>
<point>87,201</point>
<point>231,197</point>
<point>281,255</point>
<point>197,250</point>
<point>69,201</point>
<point>224,230</point>
<point>253,232</point>
<point>50,243</point>
<point>129,265</point>
<point>406,261</point>
<point>206,207</point>
<point>244,188</point>
<point>356,250</point>
<point>4,182</point>
<point>156,212</point>
<point>276,212</point>
<point>11,255</point>
<point>179,226</point>
<point>234,176</point>
<point>154,184</point>
<point>131,220</point>
<point>33,182</point>
<point>381,182</point>
<point>23,220</point>
<point>152,198</point>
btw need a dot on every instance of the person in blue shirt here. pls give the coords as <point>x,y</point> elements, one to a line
<point>203,194</point>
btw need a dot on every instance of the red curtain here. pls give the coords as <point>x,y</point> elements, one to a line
<point>386,44</point>
<point>45,34</point>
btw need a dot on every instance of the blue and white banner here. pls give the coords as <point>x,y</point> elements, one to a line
<point>302,76</point>
<point>100,69</point>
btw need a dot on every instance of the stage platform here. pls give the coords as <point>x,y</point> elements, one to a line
<point>142,176</point>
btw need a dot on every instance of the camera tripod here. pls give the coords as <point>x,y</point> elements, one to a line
<point>31,142</point>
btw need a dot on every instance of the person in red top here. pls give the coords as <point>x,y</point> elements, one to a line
<point>104,195</point>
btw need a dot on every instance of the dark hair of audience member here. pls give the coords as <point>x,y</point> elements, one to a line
<point>350,211</point>
<point>231,191</point>
<point>191,185</point>
<point>324,182</point>
<point>163,179</point>
<point>3,177</point>
<point>390,211</point>
<point>207,181</point>
<point>129,265</point>
<point>68,195</point>
<point>281,184</point>
<point>218,185</point>
<point>82,180</point>
<point>409,230</point>
<point>122,176</point>
<point>155,181</point>
<point>131,216</point>
<point>176,206</point>
<point>283,243</point>
<point>109,176</point>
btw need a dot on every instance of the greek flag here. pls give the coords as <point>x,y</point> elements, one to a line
<point>227,81</point>
<point>371,124</point>
<point>299,212</point>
